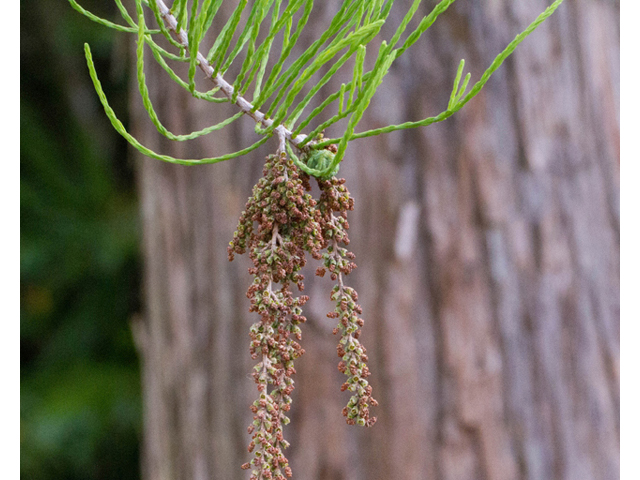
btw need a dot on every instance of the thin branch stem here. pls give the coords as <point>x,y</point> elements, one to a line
<point>219,81</point>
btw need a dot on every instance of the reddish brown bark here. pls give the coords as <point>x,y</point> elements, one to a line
<point>488,254</point>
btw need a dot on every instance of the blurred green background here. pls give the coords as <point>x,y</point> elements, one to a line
<point>80,384</point>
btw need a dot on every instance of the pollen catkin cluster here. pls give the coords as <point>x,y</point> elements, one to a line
<point>333,205</point>
<point>280,224</point>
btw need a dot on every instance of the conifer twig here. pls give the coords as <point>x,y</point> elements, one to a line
<point>219,81</point>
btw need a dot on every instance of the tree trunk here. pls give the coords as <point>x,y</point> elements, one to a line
<point>488,254</point>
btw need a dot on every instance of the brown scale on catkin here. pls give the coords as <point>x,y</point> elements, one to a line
<point>287,226</point>
<point>333,205</point>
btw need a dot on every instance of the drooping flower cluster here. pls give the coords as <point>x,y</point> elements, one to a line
<point>286,227</point>
<point>281,222</point>
<point>334,203</point>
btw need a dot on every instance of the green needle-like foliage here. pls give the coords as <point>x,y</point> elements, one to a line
<point>281,98</point>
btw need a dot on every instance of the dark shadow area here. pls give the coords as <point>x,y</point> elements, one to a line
<point>80,384</point>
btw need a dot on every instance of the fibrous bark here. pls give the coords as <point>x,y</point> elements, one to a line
<point>488,270</point>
